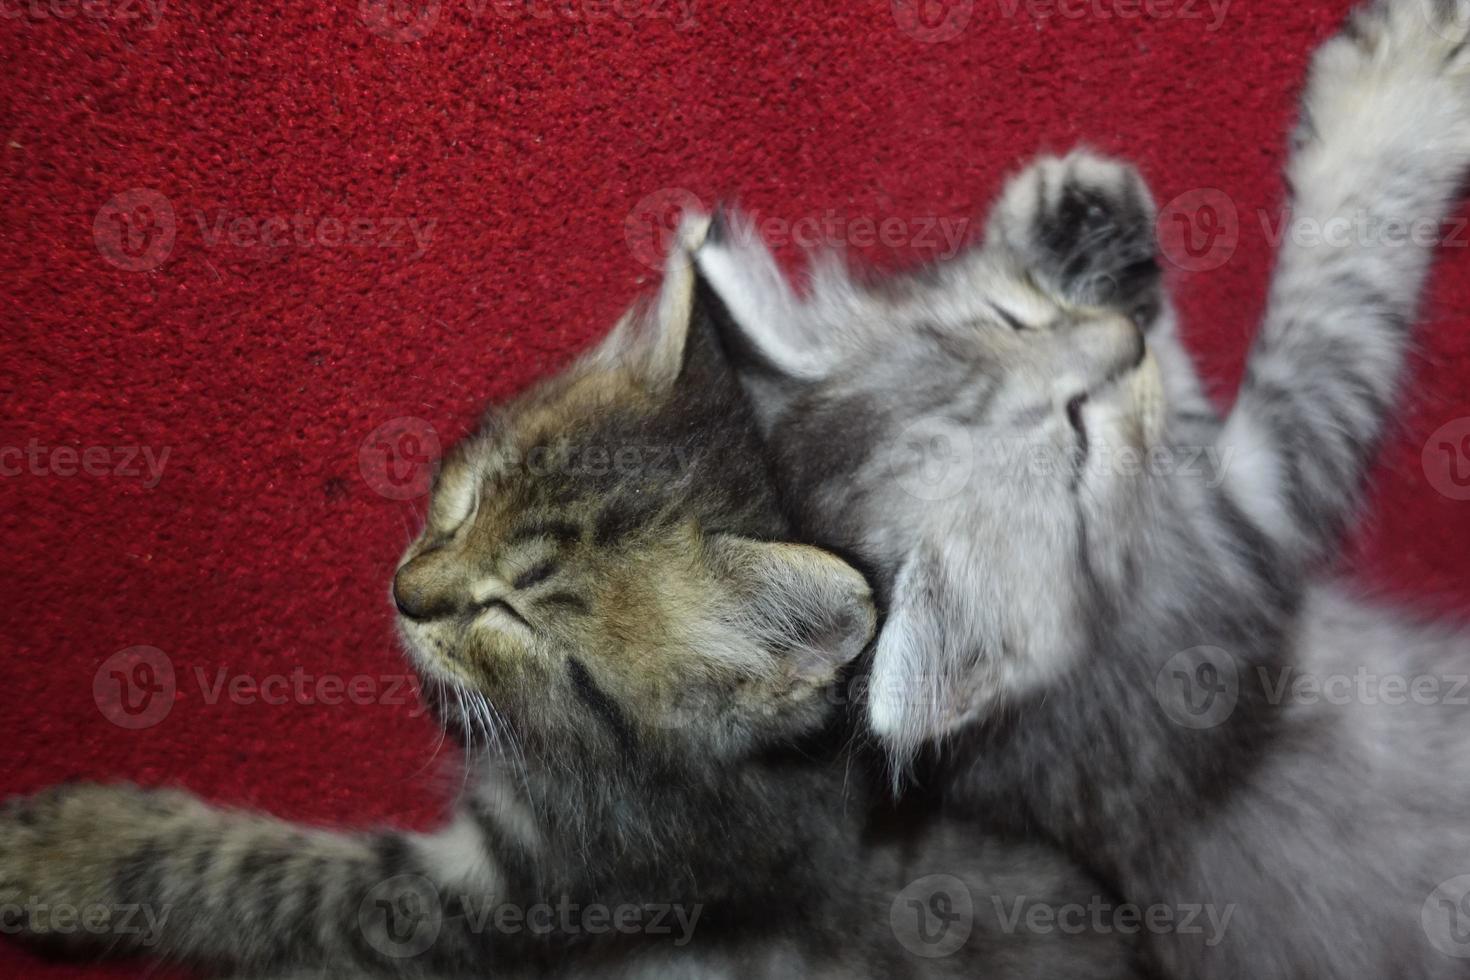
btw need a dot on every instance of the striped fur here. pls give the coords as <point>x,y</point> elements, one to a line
<point>653,670</point>
<point>964,430</point>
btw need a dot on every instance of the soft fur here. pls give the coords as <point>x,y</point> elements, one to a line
<point>1098,585</point>
<point>603,599</point>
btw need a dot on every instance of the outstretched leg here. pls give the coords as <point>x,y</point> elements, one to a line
<point>1379,156</point>
<point>164,873</point>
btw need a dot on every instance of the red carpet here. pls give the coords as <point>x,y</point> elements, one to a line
<point>209,252</point>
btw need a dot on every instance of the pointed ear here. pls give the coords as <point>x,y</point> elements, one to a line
<point>764,326</point>
<point>650,339</point>
<point>803,605</point>
<point>917,692</point>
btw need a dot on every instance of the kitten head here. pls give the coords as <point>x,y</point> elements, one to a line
<point>961,429</point>
<point>603,565</point>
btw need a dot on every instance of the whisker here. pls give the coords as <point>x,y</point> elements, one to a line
<point>426,695</point>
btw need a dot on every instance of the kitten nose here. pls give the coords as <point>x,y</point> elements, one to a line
<point>415,597</point>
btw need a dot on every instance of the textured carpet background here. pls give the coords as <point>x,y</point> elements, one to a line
<point>208,217</point>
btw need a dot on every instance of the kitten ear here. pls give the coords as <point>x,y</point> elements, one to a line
<point>804,605</point>
<point>651,338</point>
<point>918,689</point>
<point>762,323</point>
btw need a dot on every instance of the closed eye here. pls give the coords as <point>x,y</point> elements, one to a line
<point>506,608</point>
<point>1008,318</point>
<point>534,575</point>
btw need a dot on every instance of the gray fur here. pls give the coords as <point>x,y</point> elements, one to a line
<point>1047,605</point>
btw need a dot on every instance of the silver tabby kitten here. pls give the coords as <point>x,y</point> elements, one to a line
<point>1115,645</point>
<point>673,797</point>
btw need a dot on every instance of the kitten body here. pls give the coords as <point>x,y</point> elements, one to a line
<point>671,794</point>
<point>1111,606</point>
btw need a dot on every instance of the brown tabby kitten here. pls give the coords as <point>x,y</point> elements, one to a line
<point>671,798</point>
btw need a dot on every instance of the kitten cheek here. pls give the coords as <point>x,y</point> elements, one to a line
<point>432,665</point>
<point>415,644</point>
<point>1130,418</point>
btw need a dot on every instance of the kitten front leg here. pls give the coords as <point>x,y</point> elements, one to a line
<point>1379,157</point>
<point>161,872</point>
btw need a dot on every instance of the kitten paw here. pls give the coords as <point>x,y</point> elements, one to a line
<point>1394,84</point>
<point>1083,227</point>
<point>61,851</point>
